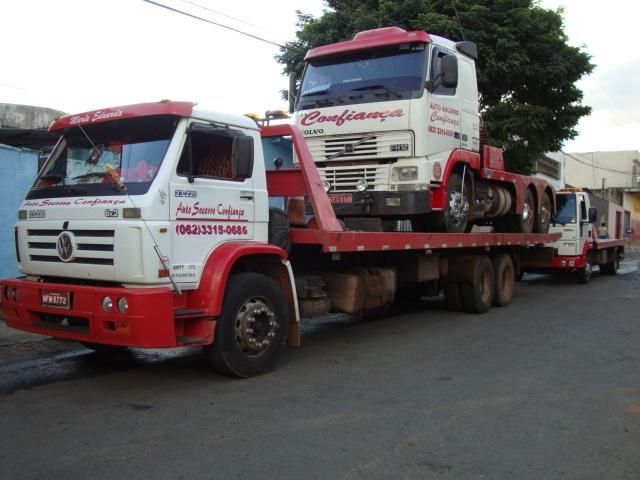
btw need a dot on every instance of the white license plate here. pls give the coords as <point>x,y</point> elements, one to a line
<point>56,298</point>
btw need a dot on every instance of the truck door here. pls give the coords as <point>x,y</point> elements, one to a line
<point>585,228</point>
<point>211,201</point>
<point>443,120</point>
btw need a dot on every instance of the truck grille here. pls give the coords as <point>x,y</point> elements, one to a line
<point>343,179</point>
<point>381,145</point>
<point>93,247</point>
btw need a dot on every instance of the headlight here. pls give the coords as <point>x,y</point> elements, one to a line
<point>123,305</point>
<point>404,174</point>
<point>326,185</point>
<point>107,304</point>
<point>361,185</point>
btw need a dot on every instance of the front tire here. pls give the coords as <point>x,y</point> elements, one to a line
<point>252,329</point>
<point>455,217</point>
<point>584,274</point>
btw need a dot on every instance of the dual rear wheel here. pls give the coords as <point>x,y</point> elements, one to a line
<point>455,218</point>
<point>487,282</point>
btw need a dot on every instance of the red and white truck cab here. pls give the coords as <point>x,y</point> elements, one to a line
<point>579,249</point>
<point>392,121</point>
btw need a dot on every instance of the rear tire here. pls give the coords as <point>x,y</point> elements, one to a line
<point>504,277</point>
<point>252,329</point>
<point>611,268</point>
<point>477,295</point>
<point>543,217</point>
<point>524,222</point>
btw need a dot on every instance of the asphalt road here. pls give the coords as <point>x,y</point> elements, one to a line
<point>546,388</point>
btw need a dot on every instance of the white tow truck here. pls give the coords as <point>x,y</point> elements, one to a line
<point>150,226</point>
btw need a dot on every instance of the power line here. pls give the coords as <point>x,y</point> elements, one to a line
<point>598,166</point>
<point>195,4</point>
<point>187,14</point>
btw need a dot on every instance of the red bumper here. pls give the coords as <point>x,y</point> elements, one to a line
<point>568,262</point>
<point>150,320</point>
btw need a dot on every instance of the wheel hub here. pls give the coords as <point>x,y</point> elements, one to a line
<point>526,212</point>
<point>255,326</point>
<point>458,207</point>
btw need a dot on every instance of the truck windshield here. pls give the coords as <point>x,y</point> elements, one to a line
<point>565,209</point>
<point>109,158</point>
<point>389,73</point>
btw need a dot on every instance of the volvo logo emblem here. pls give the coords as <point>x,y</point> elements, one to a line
<point>65,245</point>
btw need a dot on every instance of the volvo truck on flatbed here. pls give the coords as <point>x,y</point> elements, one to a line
<point>392,121</point>
<point>150,226</point>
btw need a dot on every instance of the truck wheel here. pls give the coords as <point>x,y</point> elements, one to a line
<point>611,268</point>
<point>452,296</point>
<point>477,295</point>
<point>524,222</point>
<point>543,217</point>
<point>584,273</point>
<point>455,217</point>
<point>504,277</point>
<point>252,328</point>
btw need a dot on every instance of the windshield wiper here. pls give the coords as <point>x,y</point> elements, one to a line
<point>117,183</point>
<point>319,92</point>
<point>53,176</point>
<point>90,175</point>
<point>377,87</point>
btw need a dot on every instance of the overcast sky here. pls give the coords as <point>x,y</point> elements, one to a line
<point>75,55</point>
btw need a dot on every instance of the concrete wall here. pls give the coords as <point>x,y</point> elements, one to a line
<point>19,169</point>
<point>602,170</point>
<point>25,116</point>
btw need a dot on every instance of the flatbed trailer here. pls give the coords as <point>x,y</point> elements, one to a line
<point>251,293</point>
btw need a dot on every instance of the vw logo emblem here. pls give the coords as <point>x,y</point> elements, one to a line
<point>65,245</point>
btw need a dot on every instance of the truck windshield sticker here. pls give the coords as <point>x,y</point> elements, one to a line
<point>84,202</point>
<point>316,116</point>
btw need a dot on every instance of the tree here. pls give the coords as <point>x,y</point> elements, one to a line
<point>527,72</point>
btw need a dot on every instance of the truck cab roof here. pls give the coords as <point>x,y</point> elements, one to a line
<point>163,107</point>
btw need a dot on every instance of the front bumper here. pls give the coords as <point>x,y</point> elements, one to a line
<point>381,204</point>
<point>150,320</point>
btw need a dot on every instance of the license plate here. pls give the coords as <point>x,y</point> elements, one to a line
<point>55,298</point>
<point>341,198</point>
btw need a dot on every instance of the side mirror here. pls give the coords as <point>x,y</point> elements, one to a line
<point>593,214</point>
<point>449,71</point>
<point>242,157</point>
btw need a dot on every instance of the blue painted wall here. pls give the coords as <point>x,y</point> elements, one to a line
<point>18,169</point>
